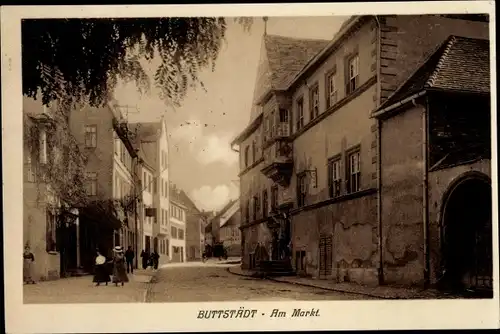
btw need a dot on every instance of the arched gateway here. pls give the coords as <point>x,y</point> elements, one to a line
<point>466,234</point>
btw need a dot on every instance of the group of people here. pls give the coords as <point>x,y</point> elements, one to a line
<point>122,263</point>
<point>119,261</point>
<point>150,260</point>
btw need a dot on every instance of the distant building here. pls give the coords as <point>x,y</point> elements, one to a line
<point>151,139</point>
<point>177,251</point>
<point>195,224</point>
<point>146,221</point>
<point>230,234</point>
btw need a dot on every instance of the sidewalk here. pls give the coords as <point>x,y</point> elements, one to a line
<point>383,292</point>
<point>83,290</point>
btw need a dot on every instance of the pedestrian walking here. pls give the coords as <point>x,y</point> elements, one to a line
<point>101,274</point>
<point>145,259</point>
<point>119,272</point>
<point>155,259</point>
<point>129,256</point>
<point>28,259</point>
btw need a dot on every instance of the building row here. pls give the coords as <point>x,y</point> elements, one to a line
<point>367,157</point>
<point>92,181</point>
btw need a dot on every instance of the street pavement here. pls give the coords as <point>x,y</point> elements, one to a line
<point>211,281</point>
<point>82,290</point>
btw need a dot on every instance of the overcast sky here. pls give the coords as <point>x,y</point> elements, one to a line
<point>201,160</point>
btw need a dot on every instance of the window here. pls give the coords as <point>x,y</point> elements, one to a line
<point>51,241</point>
<point>117,186</point>
<point>353,74</point>
<point>334,178</point>
<point>354,172</point>
<point>173,232</point>
<point>254,152</point>
<point>150,181</point>
<point>300,114</point>
<point>301,189</point>
<point>180,234</point>
<point>30,168</point>
<point>273,124</point>
<point>314,102</point>
<point>247,212</point>
<point>256,206</point>
<point>155,185</point>
<point>144,181</point>
<point>331,97</point>
<point>265,208</point>
<point>284,123</point>
<point>246,156</point>
<point>91,136</point>
<point>274,198</point>
<point>166,246</point>
<point>91,184</point>
<point>266,128</point>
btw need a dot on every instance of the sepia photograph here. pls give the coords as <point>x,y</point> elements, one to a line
<point>211,161</point>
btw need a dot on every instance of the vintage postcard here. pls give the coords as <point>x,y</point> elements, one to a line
<point>239,167</point>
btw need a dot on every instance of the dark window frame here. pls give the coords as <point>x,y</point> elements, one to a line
<point>328,97</point>
<point>353,179</point>
<point>246,156</point>
<point>265,204</point>
<point>301,189</point>
<point>274,198</point>
<point>352,84</point>
<point>314,109</point>
<point>335,185</point>
<point>299,105</point>
<point>90,136</point>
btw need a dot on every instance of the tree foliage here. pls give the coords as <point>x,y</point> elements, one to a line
<point>83,59</point>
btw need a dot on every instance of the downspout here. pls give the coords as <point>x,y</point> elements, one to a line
<point>379,160</point>
<point>425,190</point>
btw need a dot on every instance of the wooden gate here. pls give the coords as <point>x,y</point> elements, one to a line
<point>325,256</point>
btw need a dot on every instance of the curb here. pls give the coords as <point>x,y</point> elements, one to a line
<point>318,287</point>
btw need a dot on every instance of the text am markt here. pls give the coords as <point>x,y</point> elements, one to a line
<point>276,313</point>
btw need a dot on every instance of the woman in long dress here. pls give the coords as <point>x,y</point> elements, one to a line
<point>101,274</point>
<point>28,259</point>
<point>119,271</point>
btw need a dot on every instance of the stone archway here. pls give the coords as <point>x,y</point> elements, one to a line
<point>466,234</point>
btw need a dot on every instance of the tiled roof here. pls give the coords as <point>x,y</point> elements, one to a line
<point>459,64</point>
<point>287,56</point>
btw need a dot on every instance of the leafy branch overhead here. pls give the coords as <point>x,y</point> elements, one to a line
<point>84,59</point>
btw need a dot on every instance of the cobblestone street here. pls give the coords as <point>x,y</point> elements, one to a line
<point>212,282</point>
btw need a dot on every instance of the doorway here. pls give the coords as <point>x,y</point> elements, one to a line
<point>467,235</point>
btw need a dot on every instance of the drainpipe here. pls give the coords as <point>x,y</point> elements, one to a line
<point>425,191</point>
<point>379,161</point>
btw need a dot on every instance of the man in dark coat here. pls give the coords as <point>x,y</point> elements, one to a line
<point>145,259</point>
<point>129,256</point>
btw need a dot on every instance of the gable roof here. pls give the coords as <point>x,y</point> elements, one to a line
<point>459,64</point>
<point>224,209</point>
<point>287,56</point>
<point>179,196</point>
<point>284,58</point>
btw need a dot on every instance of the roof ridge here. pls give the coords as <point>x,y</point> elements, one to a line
<point>298,38</point>
<point>450,42</point>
